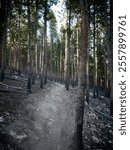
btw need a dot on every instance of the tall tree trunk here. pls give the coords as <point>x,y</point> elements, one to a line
<point>4,53</point>
<point>87,61</point>
<point>2,62</point>
<point>41,61</point>
<point>109,43</point>
<point>5,47</point>
<point>66,50</point>
<point>77,47</point>
<point>105,74</point>
<point>44,72</point>
<point>67,81</point>
<point>4,8</point>
<point>10,59</point>
<point>45,45</point>
<point>35,39</point>
<point>95,90</point>
<point>61,70</point>
<point>19,46</point>
<point>72,72</point>
<point>111,56</point>
<point>82,76</point>
<point>1,78</point>
<point>29,48</point>
<point>35,45</point>
<point>52,48</point>
<point>4,42</point>
<point>0,52</point>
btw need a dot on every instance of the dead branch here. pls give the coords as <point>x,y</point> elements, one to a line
<point>8,88</point>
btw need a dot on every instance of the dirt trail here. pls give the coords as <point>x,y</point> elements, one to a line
<point>45,120</point>
<point>48,120</point>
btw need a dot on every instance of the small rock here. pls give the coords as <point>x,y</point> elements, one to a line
<point>95,139</point>
<point>7,113</point>
<point>37,109</point>
<point>110,131</point>
<point>37,138</point>
<point>110,142</point>
<point>20,137</point>
<point>12,133</point>
<point>108,125</point>
<point>1,119</point>
<point>86,138</point>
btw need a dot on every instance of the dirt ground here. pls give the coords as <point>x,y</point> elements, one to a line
<point>45,120</point>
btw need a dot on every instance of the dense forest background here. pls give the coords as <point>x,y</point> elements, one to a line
<point>79,55</point>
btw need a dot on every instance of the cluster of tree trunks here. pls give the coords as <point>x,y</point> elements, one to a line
<point>72,58</point>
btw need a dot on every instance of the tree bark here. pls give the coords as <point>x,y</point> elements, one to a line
<point>52,53</point>
<point>67,81</point>
<point>3,24</point>
<point>111,56</point>
<point>4,52</point>
<point>29,49</point>
<point>35,45</point>
<point>66,50</point>
<point>109,44</point>
<point>45,45</point>
<point>19,46</point>
<point>41,61</point>
<point>87,61</point>
<point>82,76</point>
<point>77,47</point>
<point>95,90</point>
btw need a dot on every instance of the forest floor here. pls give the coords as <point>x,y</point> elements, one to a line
<point>45,119</point>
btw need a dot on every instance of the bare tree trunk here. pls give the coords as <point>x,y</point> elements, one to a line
<point>95,90</point>
<point>77,46</point>
<point>61,70</point>
<point>52,48</point>
<point>72,72</point>
<point>41,61</point>
<point>87,61</point>
<point>66,50</point>
<point>19,47</point>
<point>5,47</point>
<point>2,63</point>
<point>35,45</point>
<point>4,53</point>
<point>67,80</point>
<point>10,59</point>
<point>111,56</point>
<point>45,45</point>
<point>44,71</point>
<point>109,43</point>
<point>0,52</point>
<point>105,74</point>
<point>4,8</point>
<point>35,39</point>
<point>82,76</point>
<point>29,48</point>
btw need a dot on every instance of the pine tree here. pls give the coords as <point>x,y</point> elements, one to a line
<point>82,75</point>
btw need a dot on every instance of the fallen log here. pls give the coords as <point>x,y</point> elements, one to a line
<point>14,77</point>
<point>103,114</point>
<point>100,113</point>
<point>12,91</point>
<point>8,88</point>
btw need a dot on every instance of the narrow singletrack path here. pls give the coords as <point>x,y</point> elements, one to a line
<point>49,120</point>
